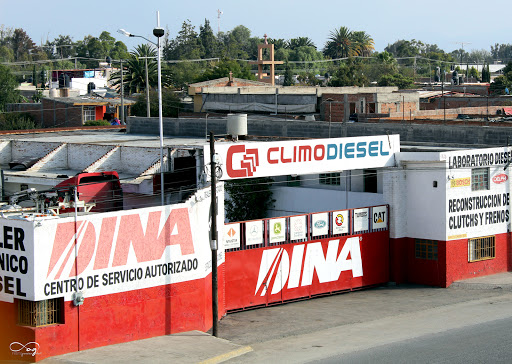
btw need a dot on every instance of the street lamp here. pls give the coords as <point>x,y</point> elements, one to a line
<point>158,32</point>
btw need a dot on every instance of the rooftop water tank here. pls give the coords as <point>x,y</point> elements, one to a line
<point>237,125</point>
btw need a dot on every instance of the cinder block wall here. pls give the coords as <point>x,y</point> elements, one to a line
<point>493,135</point>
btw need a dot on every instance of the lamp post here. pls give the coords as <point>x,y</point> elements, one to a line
<point>158,32</point>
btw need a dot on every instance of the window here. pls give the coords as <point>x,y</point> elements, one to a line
<point>330,179</point>
<point>370,180</point>
<point>479,179</point>
<point>481,248</point>
<point>293,181</point>
<point>40,313</point>
<point>425,249</point>
<point>89,113</point>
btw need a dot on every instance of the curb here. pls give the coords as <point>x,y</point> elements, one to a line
<point>229,355</point>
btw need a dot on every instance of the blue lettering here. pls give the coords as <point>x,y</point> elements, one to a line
<point>381,151</point>
<point>349,150</point>
<point>361,149</point>
<point>334,149</point>
<point>373,149</point>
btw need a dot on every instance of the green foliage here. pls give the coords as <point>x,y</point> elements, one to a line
<point>222,69</point>
<point>340,44</point>
<point>8,85</point>
<point>288,76</point>
<point>350,73</point>
<point>135,71</point>
<point>249,199</point>
<point>486,74</point>
<point>171,104</point>
<point>308,79</point>
<point>16,121</point>
<point>396,80</point>
<point>96,123</point>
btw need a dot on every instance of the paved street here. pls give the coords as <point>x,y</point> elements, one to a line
<point>470,322</point>
<point>329,328</point>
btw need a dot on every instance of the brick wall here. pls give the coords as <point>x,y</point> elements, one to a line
<point>60,114</point>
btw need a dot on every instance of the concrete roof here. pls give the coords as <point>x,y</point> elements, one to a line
<point>47,155</point>
<point>91,100</point>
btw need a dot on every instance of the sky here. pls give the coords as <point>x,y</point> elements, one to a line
<point>475,23</point>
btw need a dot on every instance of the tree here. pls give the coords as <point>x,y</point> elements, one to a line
<point>295,43</point>
<point>405,48</point>
<point>350,73</point>
<point>248,199</point>
<point>209,44</point>
<point>396,80</point>
<point>186,45</point>
<point>21,45</point>
<point>363,43</point>
<point>340,44</point>
<point>135,77</point>
<point>171,104</point>
<point>8,85</point>
<point>224,67</point>
<point>288,76</point>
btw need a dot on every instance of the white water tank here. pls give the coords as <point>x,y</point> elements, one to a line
<point>54,92</point>
<point>237,125</point>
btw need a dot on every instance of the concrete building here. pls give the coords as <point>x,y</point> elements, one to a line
<point>351,211</point>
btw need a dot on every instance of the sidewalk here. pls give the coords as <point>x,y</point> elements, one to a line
<point>187,347</point>
<point>495,281</point>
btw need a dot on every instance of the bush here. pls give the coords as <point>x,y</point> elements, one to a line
<point>17,121</point>
<point>96,123</point>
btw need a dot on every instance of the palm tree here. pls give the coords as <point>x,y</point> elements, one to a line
<point>135,70</point>
<point>340,44</point>
<point>300,42</point>
<point>364,44</point>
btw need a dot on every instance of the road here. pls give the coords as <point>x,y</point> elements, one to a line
<point>400,324</point>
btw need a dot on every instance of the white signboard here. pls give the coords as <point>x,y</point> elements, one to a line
<point>380,217</point>
<point>486,211</point>
<point>277,230</point>
<point>340,222</point>
<point>262,159</point>
<point>253,233</point>
<point>360,220</point>
<point>298,227</point>
<point>320,224</point>
<point>232,236</point>
<point>110,252</point>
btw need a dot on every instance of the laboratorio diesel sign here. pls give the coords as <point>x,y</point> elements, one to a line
<point>105,253</point>
<point>246,160</point>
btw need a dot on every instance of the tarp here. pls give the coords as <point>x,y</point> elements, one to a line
<point>254,106</point>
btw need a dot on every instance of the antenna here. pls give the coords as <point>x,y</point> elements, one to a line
<point>219,13</point>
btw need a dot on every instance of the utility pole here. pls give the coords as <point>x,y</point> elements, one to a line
<point>121,113</point>
<point>213,238</point>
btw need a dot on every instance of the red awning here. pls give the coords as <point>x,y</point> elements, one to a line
<point>507,110</point>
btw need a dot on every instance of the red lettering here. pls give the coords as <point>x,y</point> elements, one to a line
<point>151,245</point>
<point>320,148</point>
<point>283,159</point>
<point>270,160</point>
<point>108,228</point>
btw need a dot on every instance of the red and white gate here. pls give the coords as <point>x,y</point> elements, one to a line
<point>276,260</point>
